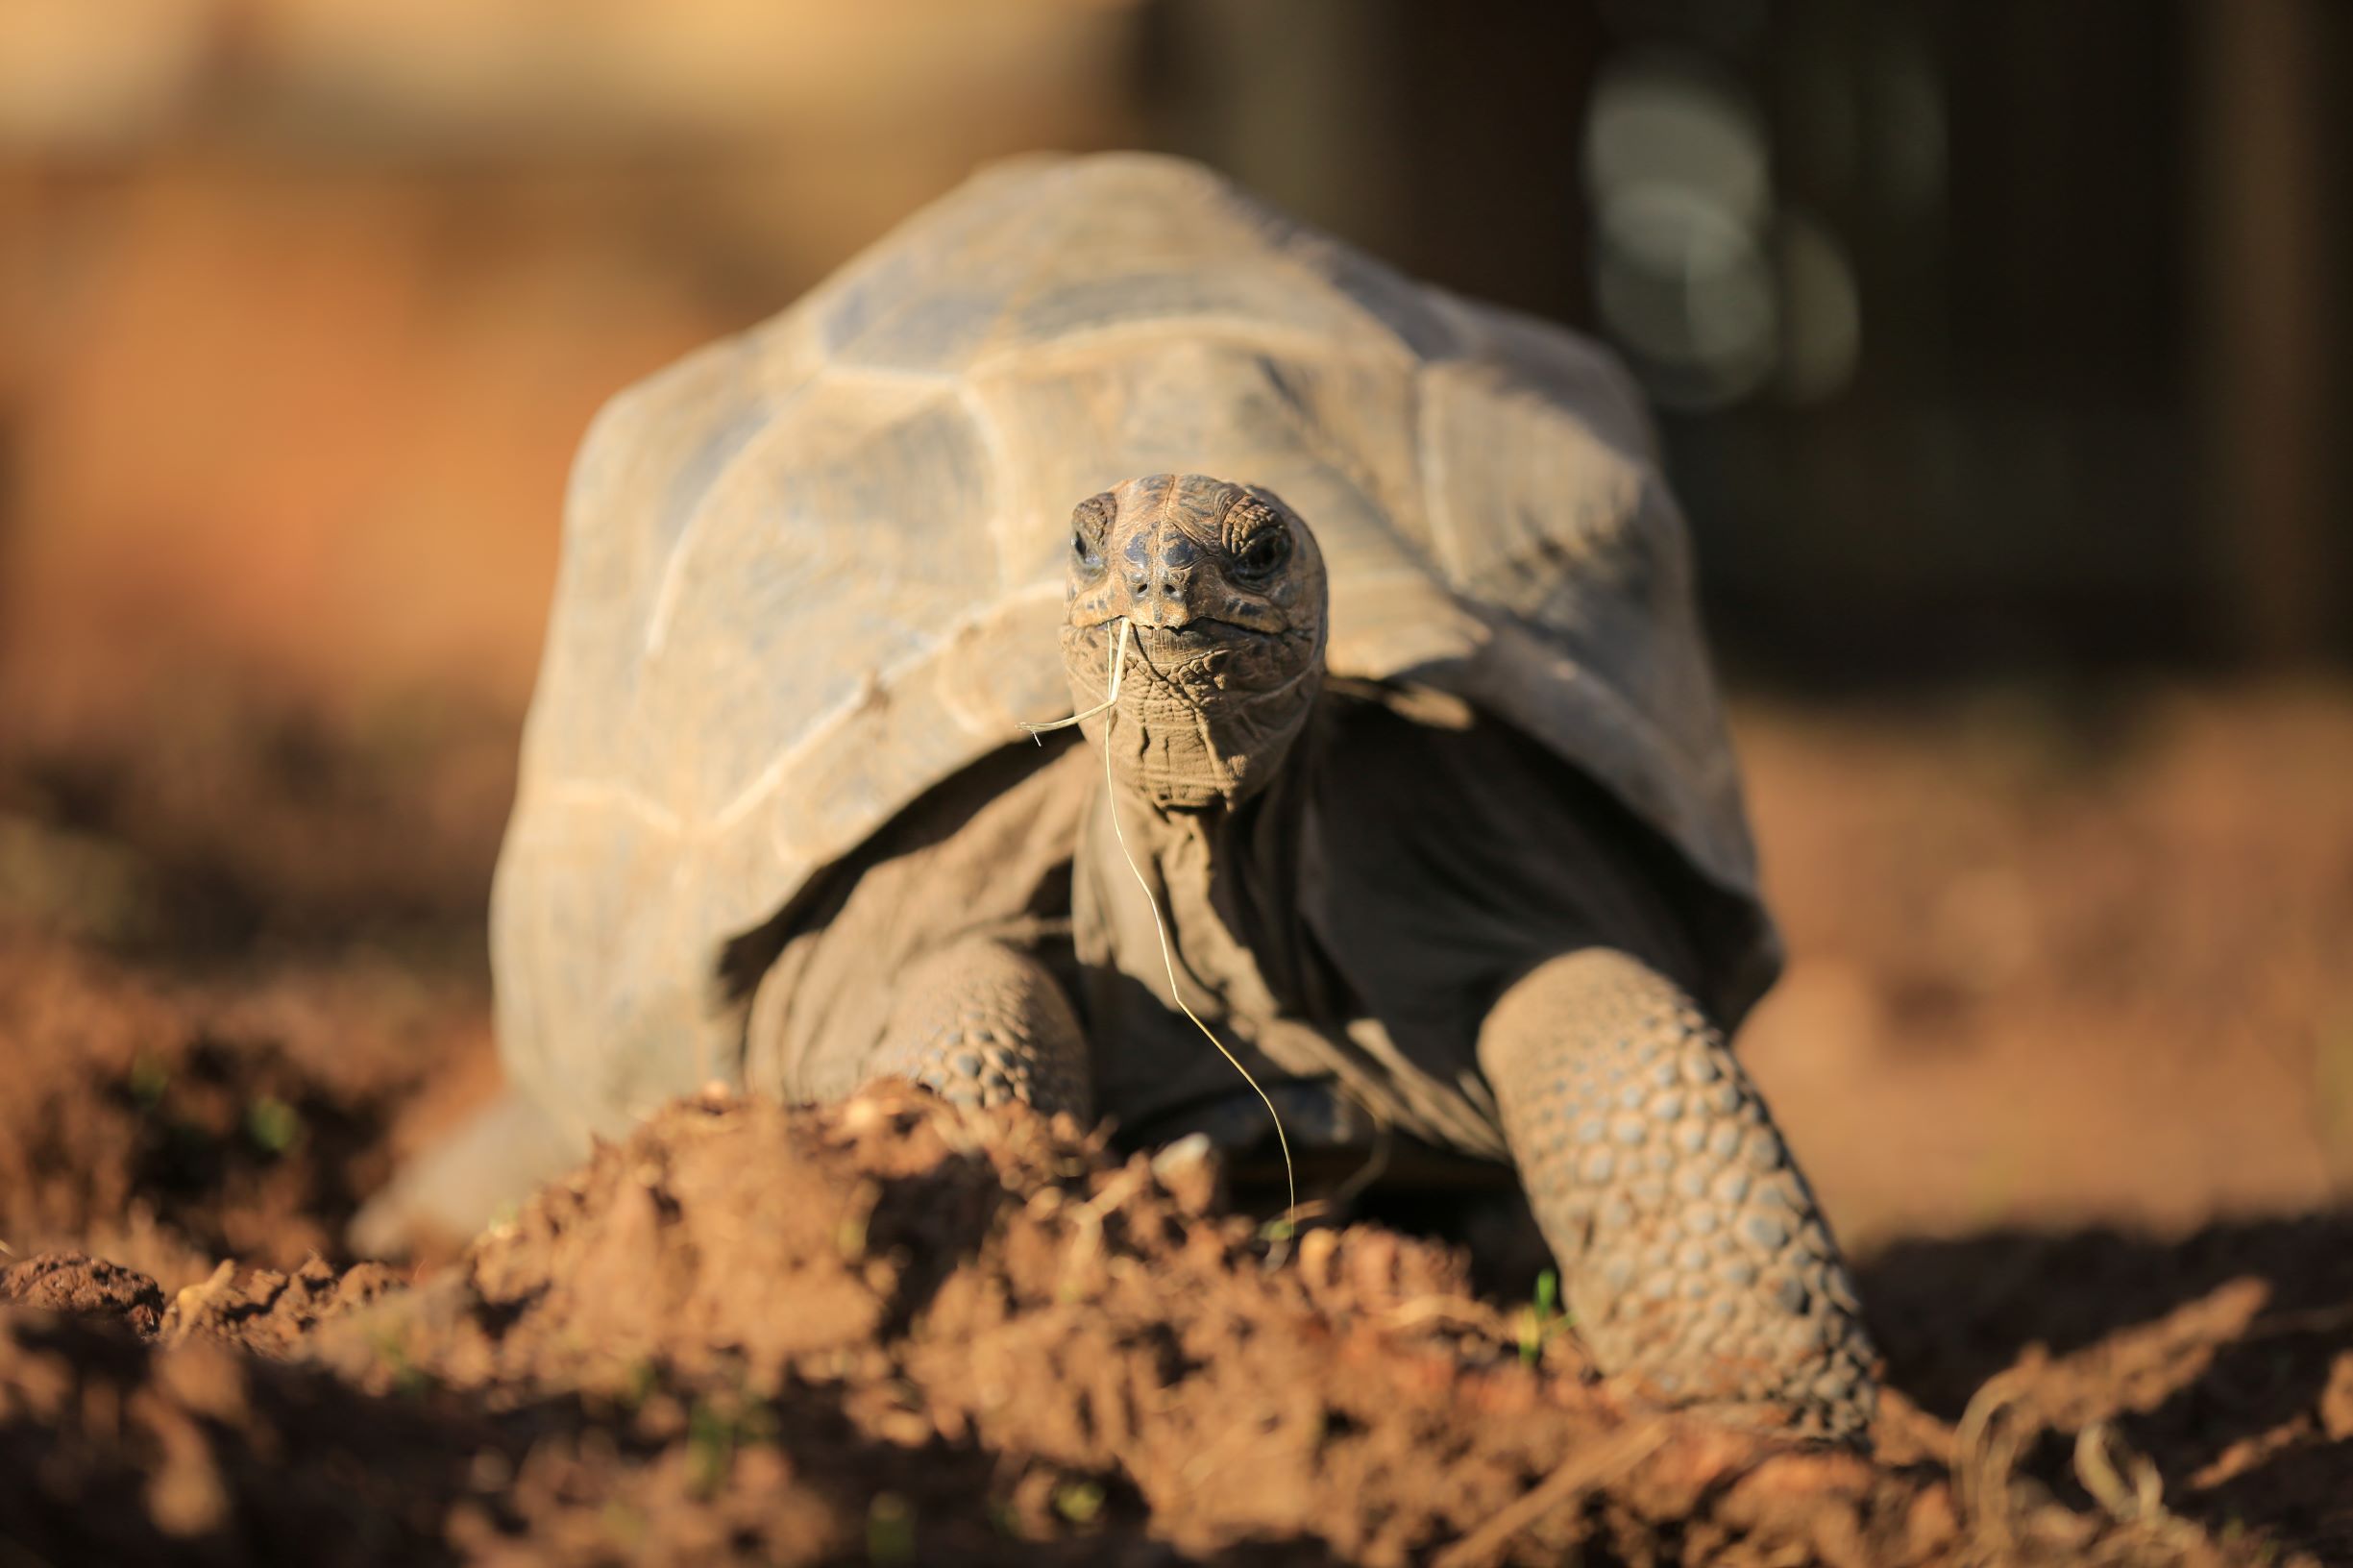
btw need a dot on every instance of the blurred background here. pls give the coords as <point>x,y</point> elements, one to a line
<point>2000,351</point>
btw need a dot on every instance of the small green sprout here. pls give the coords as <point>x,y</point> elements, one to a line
<point>715,1433</point>
<point>1078,1501</point>
<point>150,1077</point>
<point>638,1387</point>
<point>273,1125</point>
<point>1541,1318</point>
<point>890,1529</point>
<point>710,1448</point>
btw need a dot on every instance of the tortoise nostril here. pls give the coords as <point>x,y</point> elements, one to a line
<point>1156,596</point>
<point>1155,583</point>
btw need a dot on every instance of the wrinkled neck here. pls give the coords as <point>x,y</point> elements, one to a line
<point>1219,849</point>
<point>1225,879</point>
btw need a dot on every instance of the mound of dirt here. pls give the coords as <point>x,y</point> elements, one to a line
<point>70,1283</point>
<point>895,1332</point>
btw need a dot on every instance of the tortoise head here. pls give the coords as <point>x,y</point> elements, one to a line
<point>1222,589</point>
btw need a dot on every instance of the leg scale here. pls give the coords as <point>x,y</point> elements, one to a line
<point>981,1024</point>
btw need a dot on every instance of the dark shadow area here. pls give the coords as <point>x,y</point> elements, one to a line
<point>202,824</point>
<point>254,1462</point>
<point>932,818</point>
<point>929,1224</point>
<point>2225,1357</point>
<point>1951,1314</point>
<point>223,1129</point>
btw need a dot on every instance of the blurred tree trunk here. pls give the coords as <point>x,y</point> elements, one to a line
<point>1443,138</point>
<point>2262,215</point>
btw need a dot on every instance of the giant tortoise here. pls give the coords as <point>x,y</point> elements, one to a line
<point>1416,792</point>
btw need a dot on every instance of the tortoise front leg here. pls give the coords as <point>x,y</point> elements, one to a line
<point>1690,1249</point>
<point>982,1024</point>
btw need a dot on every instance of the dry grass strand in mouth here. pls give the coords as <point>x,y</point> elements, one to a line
<point>1111,699</point>
<point>1160,925</point>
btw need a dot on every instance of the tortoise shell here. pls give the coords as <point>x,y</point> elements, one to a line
<point>814,568</point>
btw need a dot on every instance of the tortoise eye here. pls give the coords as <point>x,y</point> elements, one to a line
<point>1087,525</point>
<point>1263,556</point>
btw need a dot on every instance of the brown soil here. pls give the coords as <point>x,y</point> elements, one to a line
<point>240,976</point>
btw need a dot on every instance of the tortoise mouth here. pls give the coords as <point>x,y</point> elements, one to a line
<point>1206,663</point>
<point>1194,636</point>
<point>1206,712</point>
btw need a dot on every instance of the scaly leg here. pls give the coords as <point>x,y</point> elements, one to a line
<point>981,1024</point>
<point>1690,1249</point>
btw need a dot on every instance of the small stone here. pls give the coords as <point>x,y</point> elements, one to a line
<point>1187,1170</point>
